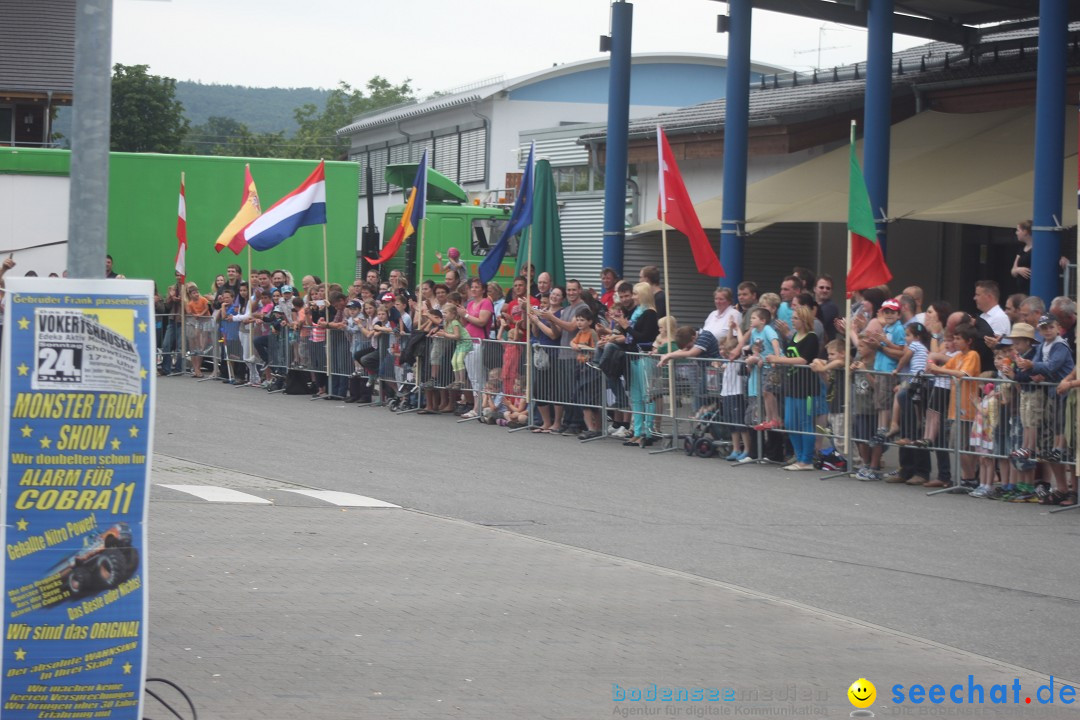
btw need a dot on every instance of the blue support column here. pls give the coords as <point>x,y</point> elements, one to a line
<point>877,117</point>
<point>1049,147</point>
<point>618,122</point>
<point>736,141</point>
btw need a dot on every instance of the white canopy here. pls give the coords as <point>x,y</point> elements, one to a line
<point>945,167</point>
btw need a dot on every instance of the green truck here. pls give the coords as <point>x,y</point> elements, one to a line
<point>452,221</point>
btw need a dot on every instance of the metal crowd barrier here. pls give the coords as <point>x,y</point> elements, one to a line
<point>703,406</point>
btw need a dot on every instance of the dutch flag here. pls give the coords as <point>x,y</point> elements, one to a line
<point>306,205</point>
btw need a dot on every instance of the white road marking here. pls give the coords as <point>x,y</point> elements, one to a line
<point>213,493</point>
<point>342,499</point>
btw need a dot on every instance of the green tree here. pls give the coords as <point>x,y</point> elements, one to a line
<point>146,116</point>
<point>226,136</point>
<point>317,136</point>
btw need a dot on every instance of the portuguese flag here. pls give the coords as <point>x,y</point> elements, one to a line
<point>866,264</point>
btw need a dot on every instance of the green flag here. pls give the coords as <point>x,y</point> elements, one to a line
<point>867,267</point>
<point>547,250</point>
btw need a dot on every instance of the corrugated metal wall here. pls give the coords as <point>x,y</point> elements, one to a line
<point>37,45</point>
<point>581,219</point>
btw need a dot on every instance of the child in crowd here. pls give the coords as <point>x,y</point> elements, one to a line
<point>863,408</point>
<point>831,372</point>
<point>456,333</point>
<point>985,441</point>
<point>437,400</point>
<point>890,341</point>
<point>492,404</point>
<point>517,410</point>
<point>455,263</point>
<point>298,332</point>
<point>197,307</point>
<point>383,331</point>
<point>589,382</point>
<point>912,362</point>
<point>1032,410</point>
<point>963,367</point>
<point>511,359</point>
<point>733,402</point>
<point>764,341</point>
<point>1052,363</point>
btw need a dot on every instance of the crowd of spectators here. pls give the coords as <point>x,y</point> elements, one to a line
<point>771,366</point>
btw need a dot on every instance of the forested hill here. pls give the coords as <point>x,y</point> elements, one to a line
<point>261,109</point>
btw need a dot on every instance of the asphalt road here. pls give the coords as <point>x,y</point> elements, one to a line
<point>993,579</point>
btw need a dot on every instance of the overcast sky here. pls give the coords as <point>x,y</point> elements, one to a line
<point>438,44</point>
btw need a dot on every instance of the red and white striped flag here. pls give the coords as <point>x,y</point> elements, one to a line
<point>181,234</point>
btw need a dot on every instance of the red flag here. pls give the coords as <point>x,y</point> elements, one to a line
<point>181,234</point>
<point>868,268</point>
<point>677,211</point>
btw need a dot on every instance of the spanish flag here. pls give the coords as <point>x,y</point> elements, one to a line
<point>415,209</point>
<point>232,236</point>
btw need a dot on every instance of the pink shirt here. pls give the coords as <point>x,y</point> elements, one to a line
<point>473,309</point>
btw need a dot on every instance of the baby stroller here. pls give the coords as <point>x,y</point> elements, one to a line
<point>709,436</point>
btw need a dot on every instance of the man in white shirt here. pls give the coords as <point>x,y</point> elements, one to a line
<point>720,320</point>
<point>987,296</point>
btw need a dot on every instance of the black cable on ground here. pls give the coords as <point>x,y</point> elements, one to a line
<point>174,686</point>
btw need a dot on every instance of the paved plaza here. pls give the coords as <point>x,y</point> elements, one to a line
<point>536,577</point>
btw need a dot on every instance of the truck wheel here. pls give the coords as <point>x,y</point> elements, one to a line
<point>131,561</point>
<point>111,568</point>
<point>79,580</point>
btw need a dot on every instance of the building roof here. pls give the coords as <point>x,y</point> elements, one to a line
<point>957,21</point>
<point>492,86</point>
<point>800,96</point>
<point>37,47</point>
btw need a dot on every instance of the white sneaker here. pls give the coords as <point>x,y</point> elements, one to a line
<point>620,432</point>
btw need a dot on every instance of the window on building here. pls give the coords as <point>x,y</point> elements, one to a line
<point>460,156</point>
<point>487,231</point>
<point>572,179</point>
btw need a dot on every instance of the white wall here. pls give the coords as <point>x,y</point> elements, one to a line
<point>34,211</point>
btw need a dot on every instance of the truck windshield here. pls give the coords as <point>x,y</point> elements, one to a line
<point>486,232</point>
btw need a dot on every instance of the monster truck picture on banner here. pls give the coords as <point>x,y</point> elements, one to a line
<point>78,359</point>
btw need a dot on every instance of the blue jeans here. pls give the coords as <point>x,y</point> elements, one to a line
<point>640,399</point>
<point>168,348</point>
<point>798,420</point>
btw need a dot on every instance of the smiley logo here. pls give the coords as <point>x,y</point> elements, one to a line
<point>862,693</point>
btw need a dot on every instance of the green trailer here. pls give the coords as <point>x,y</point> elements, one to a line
<point>143,199</point>
<point>452,221</point>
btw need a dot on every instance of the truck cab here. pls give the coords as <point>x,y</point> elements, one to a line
<point>452,221</point>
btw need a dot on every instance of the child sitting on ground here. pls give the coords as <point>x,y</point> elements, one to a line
<point>517,409</point>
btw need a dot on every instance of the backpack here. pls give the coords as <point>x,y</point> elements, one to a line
<point>297,382</point>
<point>411,346</point>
